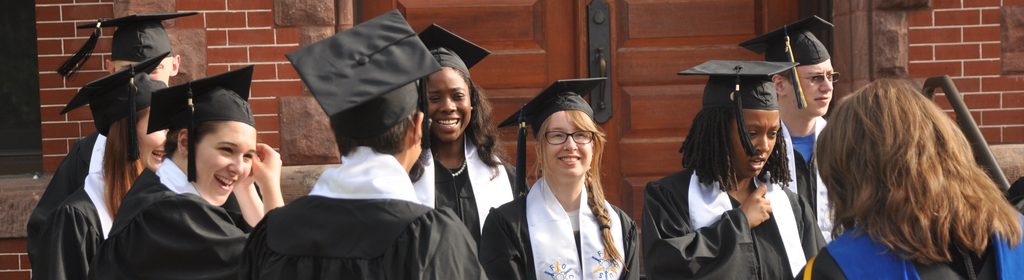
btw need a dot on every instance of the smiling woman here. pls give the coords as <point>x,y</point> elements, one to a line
<point>563,228</point>
<point>172,219</point>
<point>462,167</point>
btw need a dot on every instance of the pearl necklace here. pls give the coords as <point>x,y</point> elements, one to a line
<point>461,169</point>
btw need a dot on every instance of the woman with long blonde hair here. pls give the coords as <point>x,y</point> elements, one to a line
<point>908,199</point>
<point>563,228</point>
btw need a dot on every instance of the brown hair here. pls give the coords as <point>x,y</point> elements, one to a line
<point>595,193</point>
<point>118,172</point>
<point>900,170</point>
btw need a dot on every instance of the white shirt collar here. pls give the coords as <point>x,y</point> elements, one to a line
<point>366,174</point>
<point>174,179</point>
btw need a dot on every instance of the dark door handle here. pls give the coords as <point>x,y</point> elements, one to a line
<point>599,51</point>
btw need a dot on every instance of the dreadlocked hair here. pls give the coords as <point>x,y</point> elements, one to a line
<point>707,148</point>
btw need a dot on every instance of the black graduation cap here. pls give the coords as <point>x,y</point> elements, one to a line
<point>138,37</point>
<point>741,85</point>
<point>563,95</point>
<point>364,78</point>
<point>793,43</point>
<point>451,50</point>
<point>117,96</point>
<point>217,98</point>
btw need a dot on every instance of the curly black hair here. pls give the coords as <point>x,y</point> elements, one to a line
<point>706,151</point>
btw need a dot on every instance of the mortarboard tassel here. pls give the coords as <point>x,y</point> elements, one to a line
<point>520,186</point>
<point>191,136</point>
<point>741,126</point>
<point>133,145</point>
<point>71,66</point>
<point>801,102</point>
<point>425,143</point>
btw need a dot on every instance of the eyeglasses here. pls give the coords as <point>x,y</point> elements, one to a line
<point>820,78</point>
<point>558,137</point>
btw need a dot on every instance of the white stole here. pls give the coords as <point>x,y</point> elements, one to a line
<point>96,159</point>
<point>174,179</point>
<point>366,174</point>
<point>488,193</point>
<point>708,203</point>
<point>95,188</point>
<point>822,208</point>
<point>553,242</point>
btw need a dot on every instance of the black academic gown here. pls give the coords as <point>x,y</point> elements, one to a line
<point>1016,194</point>
<point>727,249</point>
<point>68,178</point>
<point>159,234</point>
<point>806,181</point>
<point>456,193</point>
<point>316,237</point>
<point>825,267</point>
<point>506,253</point>
<point>73,236</point>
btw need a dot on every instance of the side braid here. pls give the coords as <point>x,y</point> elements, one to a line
<point>595,200</point>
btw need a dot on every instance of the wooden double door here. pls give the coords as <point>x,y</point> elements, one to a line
<point>536,42</point>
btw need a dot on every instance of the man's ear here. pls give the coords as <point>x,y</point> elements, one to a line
<point>780,84</point>
<point>417,129</point>
<point>183,141</point>
<point>175,65</point>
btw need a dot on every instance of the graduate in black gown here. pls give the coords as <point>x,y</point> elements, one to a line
<point>138,38</point>
<point>463,170</point>
<point>120,109</point>
<point>171,224</point>
<point>729,213</point>
<point>908,198</point>
<point>804,98</point>
<point>362,220</point>
<point>563,228</point>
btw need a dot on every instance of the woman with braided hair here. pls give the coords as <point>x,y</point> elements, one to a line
<point>563,228</point>
<point>729,213</point>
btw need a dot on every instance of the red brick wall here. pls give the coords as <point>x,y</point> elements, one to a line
<point>963,39</point>
<point>237,33</point>
<point>14,264</point>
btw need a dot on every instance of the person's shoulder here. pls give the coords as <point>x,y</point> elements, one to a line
<point>77,206</point>
<point>672,185</point>
<point>512,209</point>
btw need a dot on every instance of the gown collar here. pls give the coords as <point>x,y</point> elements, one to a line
<point>707,204</point>
<point>366,174</point>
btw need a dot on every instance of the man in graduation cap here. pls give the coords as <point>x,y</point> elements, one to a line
<point>729,213</point>
<point>804,97</point>
<point>362,220</point>
<point>78,225</point>
<point>138,38</point>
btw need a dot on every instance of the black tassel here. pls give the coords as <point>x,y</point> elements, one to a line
<point>71,66</point>
<point>422,88</point>
<point>191,137</point>
<point>521,156</point>
<point>741,126</point>
<point>133,141</point>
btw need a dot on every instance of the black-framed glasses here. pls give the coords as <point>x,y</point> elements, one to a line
<point>820,78</point>
<point>558,137</point>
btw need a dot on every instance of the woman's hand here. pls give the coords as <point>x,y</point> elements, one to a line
<point>757,208</point>
<point>266,170</point>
